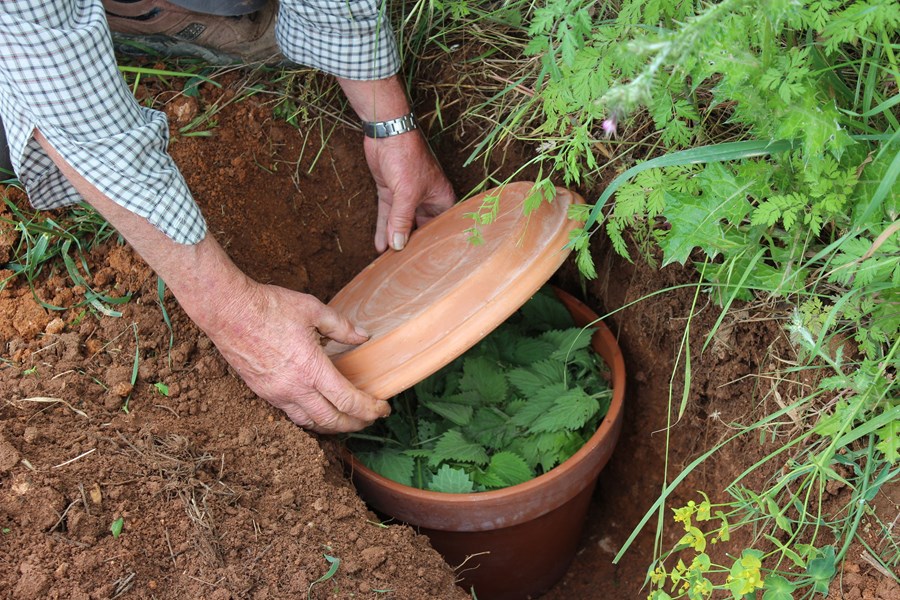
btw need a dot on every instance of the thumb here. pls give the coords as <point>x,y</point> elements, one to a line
<point>337,327</point>
<point>400,221</point>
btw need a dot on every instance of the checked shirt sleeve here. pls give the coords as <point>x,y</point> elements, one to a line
<point>58,74</point>
<point>352,39</point>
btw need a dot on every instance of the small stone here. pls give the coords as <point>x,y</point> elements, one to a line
<point>112,402</point>
<point>96,494</point>
<point>61,570</point>
<point>246,435</point>
<point>373,556</point>
<point>31,434</point>
<point>9,456</point>
<point>55,326</point>
<point>121,389</point>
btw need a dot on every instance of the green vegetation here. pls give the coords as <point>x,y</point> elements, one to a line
<point>117,526</point>
<point>520,402</point>
<point>757,141</point>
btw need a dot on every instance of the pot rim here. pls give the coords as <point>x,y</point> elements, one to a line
<point>602,337</point>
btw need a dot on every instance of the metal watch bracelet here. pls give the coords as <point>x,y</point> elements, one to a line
<point>384,129</point>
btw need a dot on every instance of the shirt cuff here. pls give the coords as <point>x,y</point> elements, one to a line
<point>352,39</point>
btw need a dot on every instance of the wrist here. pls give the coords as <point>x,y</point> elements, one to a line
<point>391,127</point>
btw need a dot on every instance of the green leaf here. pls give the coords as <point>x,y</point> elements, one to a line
<point>567,341</point>
<point>537,404</point>
<point>116,527</point>
<point>704,154</point>
<point>745,574</point>
<point>458,414</point>
<point>822,569</point>
<point>696,222</point>
<point>484,376</point>
<point>570,411</point>
<point>453,446</point>
<point>528,350</point>
<point>510,468</point>
<point>451,480</point>
<point>778,588</point>
<point>889,443</point>
<point>390,463</point>
<point>544,310</point>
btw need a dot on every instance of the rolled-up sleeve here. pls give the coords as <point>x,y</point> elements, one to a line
<point>58,74</point>
<point>348,38</point>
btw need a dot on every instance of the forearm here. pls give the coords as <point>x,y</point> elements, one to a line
<point>376,100</point>
<point>207,284</point>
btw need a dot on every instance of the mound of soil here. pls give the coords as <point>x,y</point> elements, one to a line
<point>218,495</point>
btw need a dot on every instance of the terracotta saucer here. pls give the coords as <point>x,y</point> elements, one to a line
<point>437,298</point>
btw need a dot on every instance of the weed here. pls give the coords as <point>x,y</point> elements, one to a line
<point>117,526</point>
<point>334,563</point>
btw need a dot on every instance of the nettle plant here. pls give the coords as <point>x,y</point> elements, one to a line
<point>517,404</point>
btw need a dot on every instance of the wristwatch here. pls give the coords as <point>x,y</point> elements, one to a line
<point>383,129</point>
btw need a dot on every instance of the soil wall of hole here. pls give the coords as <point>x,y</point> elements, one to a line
<point>222,497</point>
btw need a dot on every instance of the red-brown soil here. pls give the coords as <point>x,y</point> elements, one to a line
<point>220,495</point>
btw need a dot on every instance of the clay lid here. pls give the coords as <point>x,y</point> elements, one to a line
<point>426,305</point>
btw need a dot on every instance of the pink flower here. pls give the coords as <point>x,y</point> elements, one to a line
<point>609,126</point>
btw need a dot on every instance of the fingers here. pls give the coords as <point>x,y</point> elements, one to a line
<point>332,404</point>
<point>384,209</point>
<point>401,219</point>
<point>337,327</point>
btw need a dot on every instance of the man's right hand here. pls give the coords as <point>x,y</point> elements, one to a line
<point>272,337</point>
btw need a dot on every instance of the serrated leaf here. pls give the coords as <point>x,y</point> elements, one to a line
<point>527,351</point>
<point>488,480</point>
<point>889,443</point>
<point>451,480</point>
<point>458,414</point>
<point>510,468</point>
<point>570,411</point>
<point>696,222</point>
<point>545,311</point>
<point>537,404</point>
<point>484,377</point>
<point>490,429</point>
<point>567,341</point>
<point>453,446</point>
<point>396,465</point>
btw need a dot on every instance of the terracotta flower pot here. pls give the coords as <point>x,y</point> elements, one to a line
<point>516,542</point>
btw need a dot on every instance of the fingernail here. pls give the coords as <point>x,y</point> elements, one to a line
<point>399,241</point>
<point>385,408</point>
<point>361,332</point>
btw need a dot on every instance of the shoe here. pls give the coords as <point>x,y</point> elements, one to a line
<point>170,29</point>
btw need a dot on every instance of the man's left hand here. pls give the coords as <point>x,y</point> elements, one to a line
<point>412,187</point>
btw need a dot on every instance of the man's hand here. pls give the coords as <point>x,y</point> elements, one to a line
<point>273,340</point>
<point>411,186</point>
<point>270,335</point>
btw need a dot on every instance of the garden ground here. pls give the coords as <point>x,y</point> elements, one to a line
<point>220,495</point>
